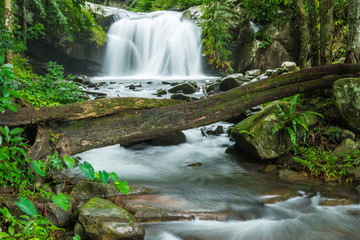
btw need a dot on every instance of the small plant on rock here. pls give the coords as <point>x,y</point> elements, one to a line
<point>292,122</point>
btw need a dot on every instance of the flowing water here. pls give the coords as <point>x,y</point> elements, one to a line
<point>198,175</point>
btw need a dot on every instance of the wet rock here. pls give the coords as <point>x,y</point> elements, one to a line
<point>62,218</point>
<point>292,175</point>
<point>213,88</point>
<point>355,172</point>
<point>196,164</point>
<point>194,14</point>
<point>216,132</point>
<point>161,92</point>
<point>277,195</point>
<point>100,219</point>
<point>347,134</point>
<point>291,66</point>
<point>174,138</point>
<point>85,190</point>
<point>270,168</point>
<point>186,88</point>
<point>269,72</point>
<point>346,146</point>
<point>346,92</point>
<point>84,80</point>
<point>233,150</point>
<point>254,135</point>
<point>287,161</point>
<point>332,116</point>
<point>337,201</point>
<point>253,73</point>
<point>232,81</point>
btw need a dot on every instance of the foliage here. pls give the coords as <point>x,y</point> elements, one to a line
<point>69,17</point>
<point>326,164</point>
<point>266,11</point>
<point>216,37</point>
<point>14,170</point>
<point>49,90</point>
<point>31,226</point>
<point>151,5</point>
<point>265,40</point>
<point>292,122</point>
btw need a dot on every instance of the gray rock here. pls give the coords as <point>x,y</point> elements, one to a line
<point>213,88</point>
<point>291,175</point>
<point>180,96</point>
<point>253,73</point>
<point>291,66</point>
<point>58,216</point>
<point>232,81</point>
<point>193,14</point>
<point>174,138</point>
<point>100,219</point>
<point>347,134</point>
<point>269,72</point>
<point>346,146</point>
<point>346,92</point>
<point>186,88</point>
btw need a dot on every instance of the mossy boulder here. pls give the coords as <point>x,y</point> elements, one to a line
<point>186,88</point>
<point>232,81</point>
<point>101,219</point>
<point>254,135</point>
<point>347,101</point>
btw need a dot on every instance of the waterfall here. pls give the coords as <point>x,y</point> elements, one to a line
<point>154,44</point>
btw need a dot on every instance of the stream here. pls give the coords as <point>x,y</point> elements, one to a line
<point>198,176</point>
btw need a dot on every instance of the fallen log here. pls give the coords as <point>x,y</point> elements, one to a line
<point>86,131</point>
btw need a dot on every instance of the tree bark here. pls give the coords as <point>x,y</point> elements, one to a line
<point>304,34</point>
<point>314,33</point>
<point>326,31</point>
<point>8,26</point>
<point>106,122</point>
<point>353,49</point>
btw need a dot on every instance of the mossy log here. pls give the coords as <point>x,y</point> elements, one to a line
<point>95,124</point>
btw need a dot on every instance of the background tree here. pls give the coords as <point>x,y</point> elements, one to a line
<point>313,32</point>
<point>304,34</point>
<point>326,8</point>
<point>353,50</point>
<point>8,26</point>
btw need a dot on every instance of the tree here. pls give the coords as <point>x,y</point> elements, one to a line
<point>353,49</point>
<point>326,8</point>
<point>8,26</point>
<point>304,34</point>
<point>314,33</point>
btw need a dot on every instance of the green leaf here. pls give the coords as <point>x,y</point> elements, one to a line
<point>88,170</point>
<point>114,176</point>
<point>292,136</point>
<point>11,230</point>
<point>76,237</point>
<point>11,107</point>
<point>39,167</point>
<point>122,187</point>
<point>15,94</point>
<point>4,235</point>
<point>61,200</point>
<point>69,162</point>
<point>26,206</point>
<point>16,131</point>
<point>293,104</point>
<point>104,177</point>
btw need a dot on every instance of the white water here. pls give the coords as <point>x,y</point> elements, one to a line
<point>157,44</point>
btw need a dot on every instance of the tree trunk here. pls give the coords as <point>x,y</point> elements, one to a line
<point>8,26</point>
<point>24,22</point>
<point>326,31</point>
<point>314,33</point>
<point>353,49</point>
<point>304,34</point>
<point>106,122</point>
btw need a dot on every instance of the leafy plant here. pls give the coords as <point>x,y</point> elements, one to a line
<point>264,39</point>
<point>216,37</point>
<point>49,90</point>
<point>326,164</point>
<point>292,122</point>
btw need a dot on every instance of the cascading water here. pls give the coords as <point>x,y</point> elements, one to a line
<point>153,44</point>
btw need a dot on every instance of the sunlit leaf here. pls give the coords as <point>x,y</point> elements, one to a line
<point>61,200</point>
<point>26,206</point>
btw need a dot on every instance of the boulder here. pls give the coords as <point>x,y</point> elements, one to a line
<point>100,219</point>
<point>292,175</point>
<point>60,217</point>
<point>174,138</point>
<point>213,88</point>
<point>193,14</point>
<point>103,14</point>
<point>291,66</point>
<point>347,146</point>
<point>232,81</point>
<point>254,134</point>
<point>346,92</point>
<point>253,73</point>
<point>186,88</point>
